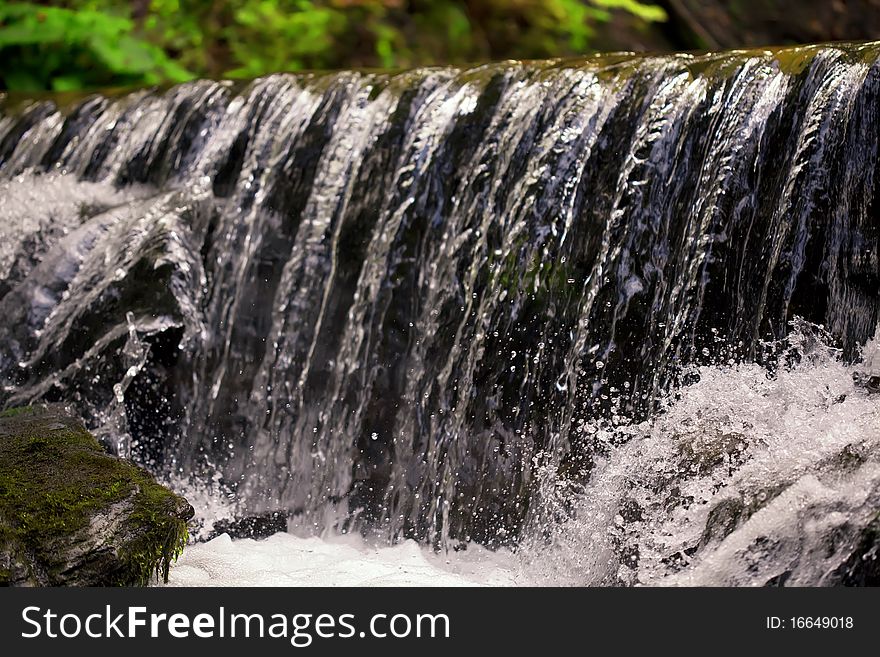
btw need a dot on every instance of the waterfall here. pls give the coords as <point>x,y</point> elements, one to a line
<point>391,301</point>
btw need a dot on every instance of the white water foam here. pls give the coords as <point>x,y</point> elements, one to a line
<point>742,479</point>
<point>287,560</point>
<point>333,560</point>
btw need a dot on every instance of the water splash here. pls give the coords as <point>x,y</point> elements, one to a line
<point>749,476</point>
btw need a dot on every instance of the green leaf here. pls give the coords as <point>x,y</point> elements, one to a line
<point>650,13</point>
<point>67,83</point>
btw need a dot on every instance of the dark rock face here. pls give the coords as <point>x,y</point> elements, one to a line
<point>256,527</point>
<point>72,515</point>
<point>749,23</point>
<point>870,382</point>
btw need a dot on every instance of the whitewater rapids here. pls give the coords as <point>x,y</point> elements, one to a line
<point>746,477</point>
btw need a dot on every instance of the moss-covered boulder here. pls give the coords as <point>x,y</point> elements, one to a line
<point>73,515</point>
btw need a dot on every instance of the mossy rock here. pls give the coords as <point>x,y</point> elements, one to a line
<point>73,515</point>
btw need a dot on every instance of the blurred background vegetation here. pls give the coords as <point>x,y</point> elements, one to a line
<point>76,44</point>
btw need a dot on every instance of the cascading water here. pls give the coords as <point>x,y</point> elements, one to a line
<point>446,305</point>
<point>746,477</point>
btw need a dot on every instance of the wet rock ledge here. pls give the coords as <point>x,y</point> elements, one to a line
<point>73,515</point>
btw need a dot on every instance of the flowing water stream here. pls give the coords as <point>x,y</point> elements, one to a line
<point>603,315</point>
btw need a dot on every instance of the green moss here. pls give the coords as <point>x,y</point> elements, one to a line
<point>20,410</point>
<point>55,478</point>
<point>161,542</point>
<point>536,276</point>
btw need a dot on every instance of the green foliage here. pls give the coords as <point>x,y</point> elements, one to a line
<point>269,36</point>
<point>86,43</point>
<point>62,49</point>
<point>643,11</point>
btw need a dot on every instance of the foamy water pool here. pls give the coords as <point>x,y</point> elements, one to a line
<point>287,560</point>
